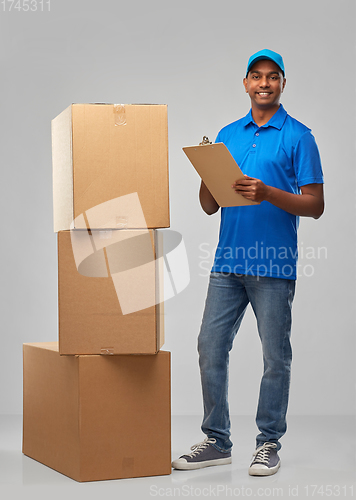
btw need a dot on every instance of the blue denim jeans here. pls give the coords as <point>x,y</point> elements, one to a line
<point>227,299</point>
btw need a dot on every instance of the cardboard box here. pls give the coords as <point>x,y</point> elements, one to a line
<point>103,152</point>
<point>110,287</point>
<point>97,417</point>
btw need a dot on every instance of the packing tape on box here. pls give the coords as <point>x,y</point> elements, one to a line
<point>119,114</point>
<point>128,258</point>
<point>107,351</point>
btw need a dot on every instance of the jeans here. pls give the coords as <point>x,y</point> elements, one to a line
<point>227,299</point>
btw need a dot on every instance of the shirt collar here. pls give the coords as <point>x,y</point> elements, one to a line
<point>276,121</point>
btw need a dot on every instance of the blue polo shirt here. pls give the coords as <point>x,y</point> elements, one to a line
<point>261,240</point>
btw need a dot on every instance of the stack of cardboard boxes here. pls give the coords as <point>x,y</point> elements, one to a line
<point>97,402</point>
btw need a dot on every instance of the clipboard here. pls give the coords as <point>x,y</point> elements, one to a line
<point>218,169</point>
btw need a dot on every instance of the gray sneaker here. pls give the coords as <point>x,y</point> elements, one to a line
<point>265,460</point>
<point>203,455</point>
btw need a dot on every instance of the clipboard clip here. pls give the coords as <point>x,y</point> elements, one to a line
<point>205,141</point>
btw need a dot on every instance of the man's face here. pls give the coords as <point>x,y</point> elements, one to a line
<point>264,84</point>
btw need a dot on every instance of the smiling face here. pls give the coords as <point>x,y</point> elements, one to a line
<point>265,84</point>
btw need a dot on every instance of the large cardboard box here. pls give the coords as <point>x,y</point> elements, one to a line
<point>110,286</point>
<point>97,417</point>
<point>103,152</point>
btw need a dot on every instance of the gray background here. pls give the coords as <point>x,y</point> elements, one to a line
<point>191,56</point>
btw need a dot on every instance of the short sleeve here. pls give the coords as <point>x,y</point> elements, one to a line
<point>307,162</point>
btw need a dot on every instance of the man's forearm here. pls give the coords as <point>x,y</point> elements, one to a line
<point>305,204</point>
<point>309,204</point>
<point>207,201</point>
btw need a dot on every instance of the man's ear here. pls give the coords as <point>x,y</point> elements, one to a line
<point>284,84</point>
<point>244,81</point>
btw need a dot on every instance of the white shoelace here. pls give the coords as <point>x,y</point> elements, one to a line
<point>199,447</point>
<point>262,453</point>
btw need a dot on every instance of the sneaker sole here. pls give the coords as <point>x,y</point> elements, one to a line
<point>200,465</point>
<point>263,471</point>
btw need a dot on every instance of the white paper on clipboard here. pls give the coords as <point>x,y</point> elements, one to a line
<point>219,171</point>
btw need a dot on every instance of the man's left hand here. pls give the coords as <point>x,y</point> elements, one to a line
<point>251,188</point>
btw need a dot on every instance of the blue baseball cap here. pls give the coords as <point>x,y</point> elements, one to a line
<point>265,54</point>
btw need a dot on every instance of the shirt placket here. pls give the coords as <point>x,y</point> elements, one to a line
<point>255,141</point>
